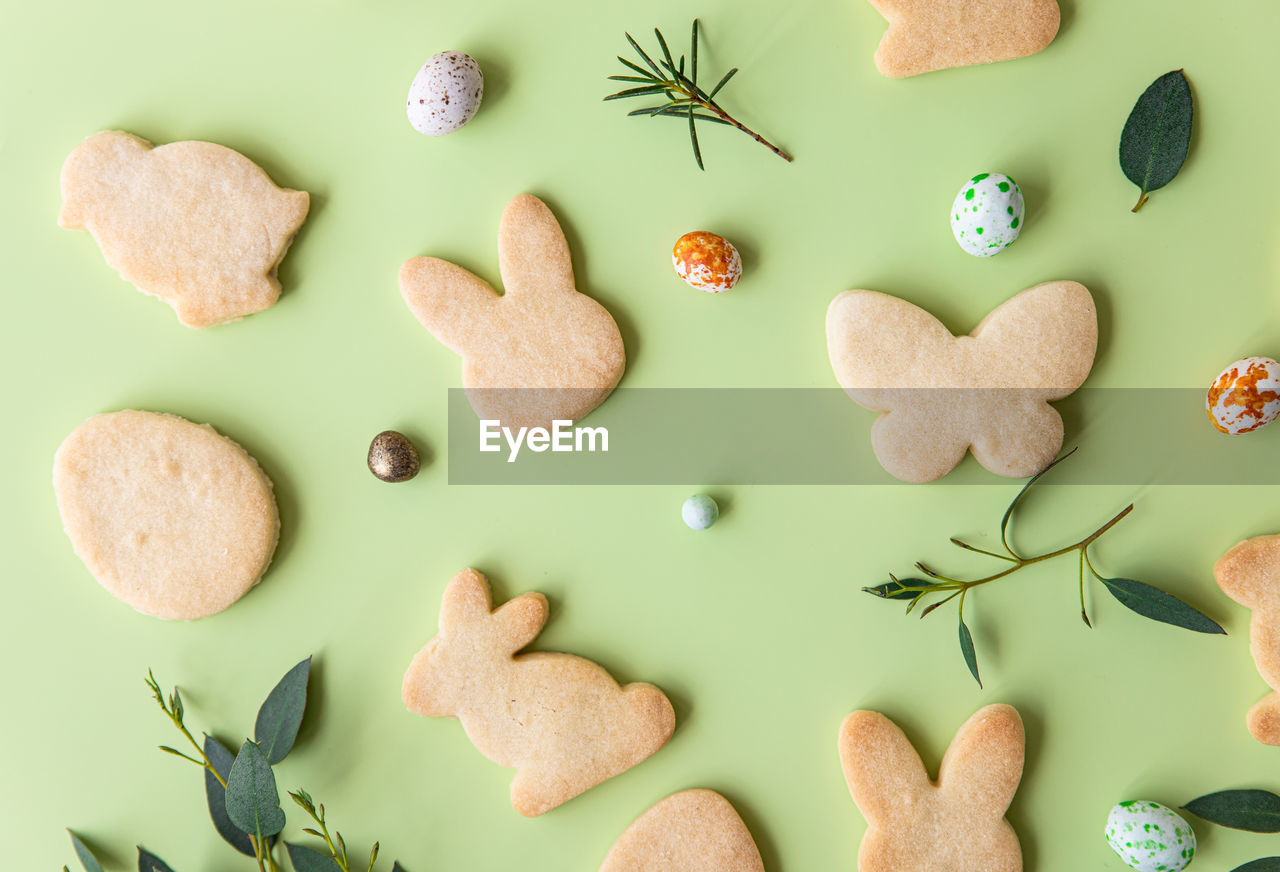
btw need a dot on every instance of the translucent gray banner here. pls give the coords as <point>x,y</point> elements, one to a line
<point>819,436</point>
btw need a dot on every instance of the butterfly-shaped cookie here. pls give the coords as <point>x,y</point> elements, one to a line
<point>941,395</point>
<point>953,824</point>
<point>928,35</point>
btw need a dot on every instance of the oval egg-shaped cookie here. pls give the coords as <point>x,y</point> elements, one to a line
<point>169,516</point>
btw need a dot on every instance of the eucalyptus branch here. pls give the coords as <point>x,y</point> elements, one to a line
<point>685,99</point>
<point>1148,601</point>
<point>335,843</point>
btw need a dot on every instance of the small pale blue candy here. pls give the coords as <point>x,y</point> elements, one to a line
<point>1150,837</point>
<point>699,512</point>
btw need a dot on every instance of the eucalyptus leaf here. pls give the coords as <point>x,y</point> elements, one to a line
<point>253,803</point>
<point>1257,811</point>
<point>1157,134</point>
<point>970,656</point>
<point>216,796</point>
<point>306,859</point>
<point>148,862</point>
<point>398,868</point>
<point>1008,513</point>
<point>1153,603</point>
<point>87,860</point>
<point>896,588</point>
<point>281,713</point>
<point>1265,864</point>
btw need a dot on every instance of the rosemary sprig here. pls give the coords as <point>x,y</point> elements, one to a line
<point>1148,601</point>
<point>666,77</point>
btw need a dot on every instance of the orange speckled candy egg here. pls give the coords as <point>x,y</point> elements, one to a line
<point>1245,396</point>
<point>707,261</point>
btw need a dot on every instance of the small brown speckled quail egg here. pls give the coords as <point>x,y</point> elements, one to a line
<point>445,93</point>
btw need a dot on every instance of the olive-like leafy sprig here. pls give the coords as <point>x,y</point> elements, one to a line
<point>1148,601</point>
<point>684,98</point>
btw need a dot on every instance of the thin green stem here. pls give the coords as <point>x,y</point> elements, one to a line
<point>967,547</point>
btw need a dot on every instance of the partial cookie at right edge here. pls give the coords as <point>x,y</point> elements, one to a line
<point>929,35</point>
<point>690,831</point>
<point>1249,573</point>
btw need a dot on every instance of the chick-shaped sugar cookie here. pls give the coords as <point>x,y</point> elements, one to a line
<point>928,35</point>
<point>954,824</point>
<point>196,224</point>
<point>560,720</point>
<point>690,831</point>
<point>539,352</point>
<point>1249,573</point>
<point>942,395</point>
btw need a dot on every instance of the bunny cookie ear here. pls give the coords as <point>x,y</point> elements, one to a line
<point>880,765</point>
<point>450,302</point>
<point>520,620</point>
<point>533,255</point>
<point>983,765</point>
<point>1250,570</point>
<point>467,599</point>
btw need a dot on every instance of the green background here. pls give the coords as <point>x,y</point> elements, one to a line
<point>756,629</point>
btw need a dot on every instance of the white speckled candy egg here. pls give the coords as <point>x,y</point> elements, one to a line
<point>699,512</point>
<point>1150,837</point>
<point>1245,396</point>
<point>445,93</point>
<point>987,215</point>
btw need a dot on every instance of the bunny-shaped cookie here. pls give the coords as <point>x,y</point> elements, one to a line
<point>955,824</point>
<point>560,720</point>
<point>194,223</point>
<point>1249,573</point>
<point>541,351</point>
<point>942,395</point>
<point>927,35</point>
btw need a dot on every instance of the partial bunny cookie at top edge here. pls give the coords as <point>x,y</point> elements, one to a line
<point>196,224</point>
<point>560,720</point>
<point>1249,573</point>
<point>941,395</point>
<point>954,824</point>
<point>539,352</point>
<point>929,35</point>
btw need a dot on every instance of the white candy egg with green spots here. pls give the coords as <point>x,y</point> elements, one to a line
<point>1150,837</point>
<point>987,215</point>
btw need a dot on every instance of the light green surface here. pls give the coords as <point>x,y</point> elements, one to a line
<point>756,628</point>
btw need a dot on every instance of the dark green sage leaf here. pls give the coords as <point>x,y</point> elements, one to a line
<point>306,859</point>
<point>281,714</point>
<point>1265,864</point>
<point>970,656</point>
<point>398,868</point>
<point>1257,811</point>
<point>1153,603</point>
<point>148,862</point>
<point>253,803</point>
<point>216,796</point>
<point>87,860</point>
<point>1154,142</point>
<point>896,588</point>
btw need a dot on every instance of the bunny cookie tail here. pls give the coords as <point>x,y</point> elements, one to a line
<point>1264,719</point>
<point>654,720</point>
